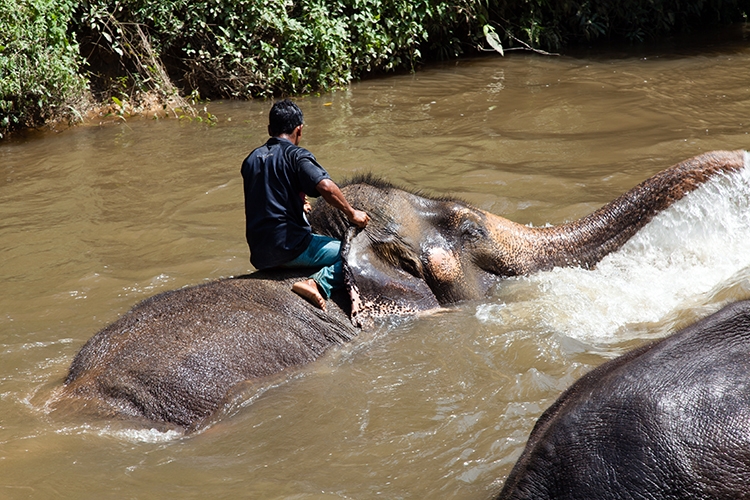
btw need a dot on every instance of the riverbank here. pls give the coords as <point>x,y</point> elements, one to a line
<point>59,61</point>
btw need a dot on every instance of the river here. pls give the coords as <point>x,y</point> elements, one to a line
<point>97,218</point>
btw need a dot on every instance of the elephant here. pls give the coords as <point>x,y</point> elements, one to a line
<point>178,357</point>
<point>668,420</point>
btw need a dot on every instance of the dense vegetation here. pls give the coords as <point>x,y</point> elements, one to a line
<point>40,67</point>
<point>54,52</point>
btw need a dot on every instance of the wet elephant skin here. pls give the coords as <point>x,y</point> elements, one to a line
<point>670,420</point>
<point>176,356</point>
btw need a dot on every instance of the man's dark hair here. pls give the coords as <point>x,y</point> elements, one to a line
<point>284,117</point>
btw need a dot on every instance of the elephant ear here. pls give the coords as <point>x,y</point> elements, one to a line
<point>381,280</point>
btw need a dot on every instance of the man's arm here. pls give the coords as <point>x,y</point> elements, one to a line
<point>334,197</point>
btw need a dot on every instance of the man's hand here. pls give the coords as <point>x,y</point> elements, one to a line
<point>334,197</point>
<point>359,218</point>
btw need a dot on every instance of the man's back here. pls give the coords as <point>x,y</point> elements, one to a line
<point>277,176</point>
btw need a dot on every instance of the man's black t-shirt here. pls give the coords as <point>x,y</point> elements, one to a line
<point>277,176</point>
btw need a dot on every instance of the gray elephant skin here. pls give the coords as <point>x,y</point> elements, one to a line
<point>180,356</point>
<point>667,421</point>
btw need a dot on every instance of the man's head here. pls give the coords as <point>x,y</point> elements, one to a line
<point>284,118</point>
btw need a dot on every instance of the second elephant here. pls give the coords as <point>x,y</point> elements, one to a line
<point>667,421</point>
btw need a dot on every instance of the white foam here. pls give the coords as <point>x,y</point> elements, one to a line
<point>142,435</point>
<point>133,435</point>
<point>682,256</point>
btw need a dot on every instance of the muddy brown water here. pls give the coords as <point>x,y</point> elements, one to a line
<point>94,219</point>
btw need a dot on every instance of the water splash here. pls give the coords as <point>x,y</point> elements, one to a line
<point>123,433</point>
<point>682,259</point>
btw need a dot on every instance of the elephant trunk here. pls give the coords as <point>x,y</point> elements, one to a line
<point>521,249</point>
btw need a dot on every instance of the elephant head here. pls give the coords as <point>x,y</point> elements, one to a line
<point>419,252</point>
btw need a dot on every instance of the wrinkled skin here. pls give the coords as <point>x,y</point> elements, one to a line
<point>175,357</point>
<point>670,420</point>
<point>178,357</point>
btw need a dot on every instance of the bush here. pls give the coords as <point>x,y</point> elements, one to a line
<point>39,66</point>
<point>245,48</point>
<point>248,48</point>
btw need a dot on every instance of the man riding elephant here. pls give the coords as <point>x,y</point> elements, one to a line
<point>181,357</point>
<point>277,177</point>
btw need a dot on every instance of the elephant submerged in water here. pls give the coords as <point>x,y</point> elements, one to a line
<point>178,357</point>
<point>667,421</point>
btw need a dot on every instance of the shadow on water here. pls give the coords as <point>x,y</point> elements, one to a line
<point>725,40</point>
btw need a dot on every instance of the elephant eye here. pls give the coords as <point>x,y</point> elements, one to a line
<point>471,230</point>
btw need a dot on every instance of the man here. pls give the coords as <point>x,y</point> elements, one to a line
<point>277,176</point>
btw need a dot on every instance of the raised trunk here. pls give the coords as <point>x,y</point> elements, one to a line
<point>586,241</point>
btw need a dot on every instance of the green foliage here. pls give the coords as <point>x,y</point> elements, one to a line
<point>247,48</point>
<point>39,65</point>
<point>243,48</point>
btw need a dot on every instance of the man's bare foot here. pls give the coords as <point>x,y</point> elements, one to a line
<point>308,289</point>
